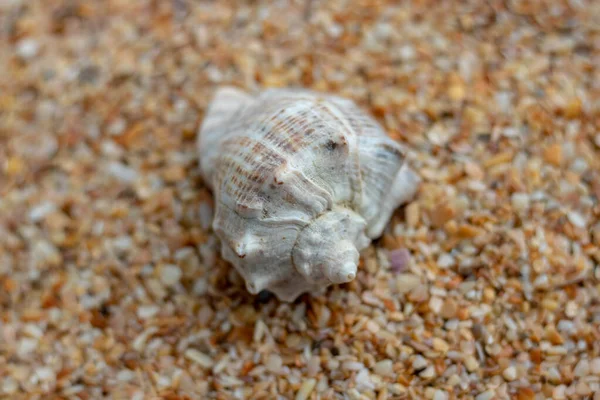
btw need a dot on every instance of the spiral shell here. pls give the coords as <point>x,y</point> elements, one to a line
<point>303,182</point>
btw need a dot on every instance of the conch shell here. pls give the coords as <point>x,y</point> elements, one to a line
<point>303,182</point>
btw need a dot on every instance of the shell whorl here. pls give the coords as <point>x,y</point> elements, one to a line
<point>302,182</point>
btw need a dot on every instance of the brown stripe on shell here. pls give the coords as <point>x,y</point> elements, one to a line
<point>245,166</point>
<point>291,133</point>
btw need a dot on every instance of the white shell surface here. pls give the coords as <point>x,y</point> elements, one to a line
<point>303,181</point>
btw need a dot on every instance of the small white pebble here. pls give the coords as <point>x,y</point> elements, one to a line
<point>510,373</point>
<point>428,372</point>
<point>122,244</point>
<point>140,341</point>
<point>576,219</point>
<point>199,358</point>
<point>435,304</point>
<point>138,395</point>
<point>146,312</point>
<point>117,127</point>
<point>397,388</point>
<point>520,201</point>
<point>471,364</point>
<point>122,172</point>
<point>445,260</point>
<point>274,363</point>
<point>372,326</point>
<point>9,386</point>
<point>27,48</point>
<point>111,150</point>
<point>487,395</point>
<point>38,212</point>
<point>33,330</point>
<point>407,282</point>
<point>559,392</point>
<point>313,366</point>
<point>440,395</point>
<point>419,362</point>
<point>553,375</point>
<point>579,165</point>
<point>384,368</point>
<point>26,346</point>
<point>200,287</point>
<point>125,375</point>
<point>541,282</point>
<point>259,331</point>
<point>571,309</point>
<point>352,366</point>
<point>45,374</point>
<point>170,274</point>
<point>582,368</point>
<point>453,380</point>
<point>306,389</point>
<point>363,380</point>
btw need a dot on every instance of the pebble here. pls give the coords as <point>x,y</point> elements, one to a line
<point>199,358</point>
<point>38,212</point>
<point>125,375</point>
<point>435,304</point>
<point>313,366</point>
<point>121,172</point>
<point>582,389</point>
<point>27,49</point>
<point>582,368</point>
<point>274,363</point>
<point>553,375</point>
<point>487,395</point>
<point>445,261</point>
<point>306,389</point>
<point>170,274</point>
<point>471,364</point>
<point>440,345</point>
<point>384,368</point>
<point>363,380</point>
<point>520,201</point>
<point>449,309</point>
<point>139,343</point>
<point>407,282</point>
<point>26,346</point>
<point>428,372</point>
<point>440,395</point>
<point>510,373</point>
<point>559,392</point>
<point>352,366</point>
<point>399,260</point>
<point>595,366</point>
<point>9,385</point>
<point>419,362</point>
<point>45,374</point>
<point>576,219</point>
<point>146,312</point>
<point>372,326</point>
<point>45,254</point>
<point>397,388</point>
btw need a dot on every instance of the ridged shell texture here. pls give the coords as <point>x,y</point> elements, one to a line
<point>303,181</point>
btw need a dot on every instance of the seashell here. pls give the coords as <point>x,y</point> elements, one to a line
<point>303,181</point>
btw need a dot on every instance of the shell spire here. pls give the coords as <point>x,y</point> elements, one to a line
<point>303,182</point>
